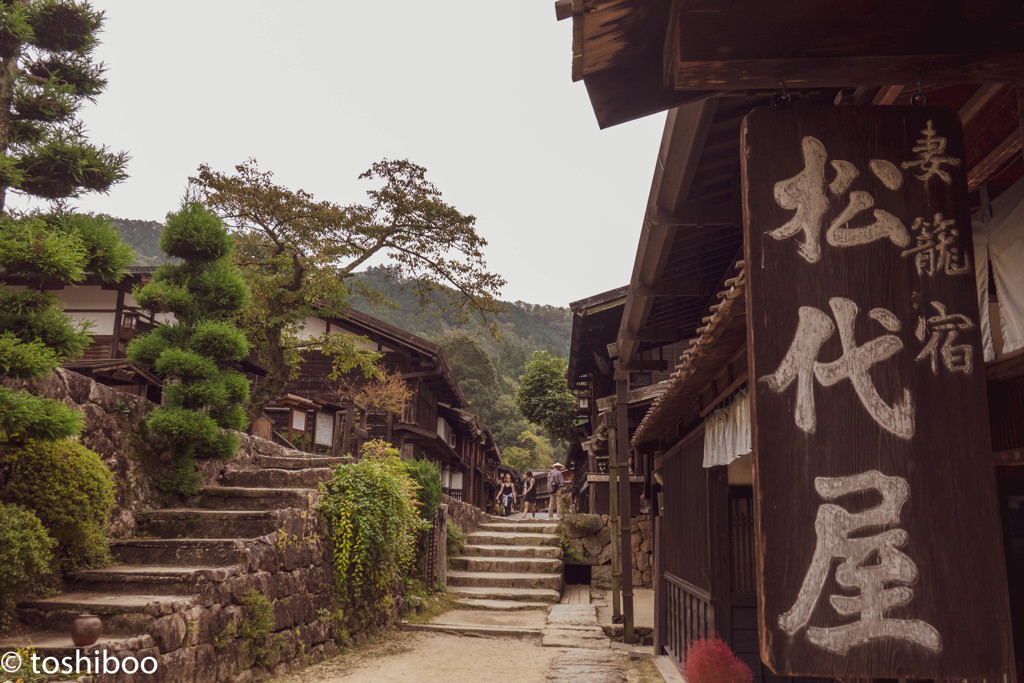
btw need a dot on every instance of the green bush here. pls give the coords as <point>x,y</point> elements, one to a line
<point>427,476</point>
<point>69,489</point>
<point>456,538</point>
<point>24,416</point>
<point>259,619</point>
<point>370,509</point>
<point>578,524</point>
<point>26,553</point>
<point>195,234</point>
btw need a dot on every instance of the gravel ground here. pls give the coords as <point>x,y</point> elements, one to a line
<point>410,657</point>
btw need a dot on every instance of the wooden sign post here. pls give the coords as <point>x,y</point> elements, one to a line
<point>878,538</point>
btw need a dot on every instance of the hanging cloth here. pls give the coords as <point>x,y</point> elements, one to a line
<point>1000,241</point>
<point>727,431</point>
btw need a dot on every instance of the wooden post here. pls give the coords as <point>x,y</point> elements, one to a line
<point>659,593</point>
<point>626,519</point>
<point>115,348</point>
<point>339,422</point>
<point>613,516</point>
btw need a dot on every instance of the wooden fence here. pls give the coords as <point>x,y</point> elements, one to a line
<point>689,614</point>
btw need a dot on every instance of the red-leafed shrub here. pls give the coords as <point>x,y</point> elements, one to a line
<point>711,661</point>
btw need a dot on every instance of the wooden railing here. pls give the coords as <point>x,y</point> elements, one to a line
<point>456,494</point>
<point>689,615</point>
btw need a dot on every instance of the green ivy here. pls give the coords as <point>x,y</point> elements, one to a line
<point>370,509</point>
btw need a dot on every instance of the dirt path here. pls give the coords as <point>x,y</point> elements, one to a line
<point>402,657</point>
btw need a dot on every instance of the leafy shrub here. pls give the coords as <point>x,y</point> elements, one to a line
<point>259,620</point>
<point>456,538</point>
<point>26,552</point>
<point>427,476</point>
<point>711,661</point>
<point>370,509</point>
<point>576,525</point>
<point>69,489</point>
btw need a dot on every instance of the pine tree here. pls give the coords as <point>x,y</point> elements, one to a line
<point>46,73</point>
<point>203,398</point>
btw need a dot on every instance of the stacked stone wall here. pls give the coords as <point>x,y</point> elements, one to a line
<point>204,640</point>
<point>589,541</point>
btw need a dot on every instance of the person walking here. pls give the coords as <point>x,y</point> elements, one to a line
<point>555,482</point>
<point>530,495</point>
<point>506,495</point>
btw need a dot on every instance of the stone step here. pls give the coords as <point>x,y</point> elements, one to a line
<point>277,477</point>
<point>149,579</point>
<point>504,580</point>
<point>300,462</point>
<point>498,538</point>
<point>538,551</point>
<point>181,551</point>
<point>526,595</point>
<point>531,527</point>
<point>506,564</point>
<point>59,645</point>
<point>517,632</point>
<point>241,498</point>
<point>504,605</point>
<point>193,523</point>
<point>120,613</point>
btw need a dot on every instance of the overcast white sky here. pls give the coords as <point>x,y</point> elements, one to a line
<point>479,92</point>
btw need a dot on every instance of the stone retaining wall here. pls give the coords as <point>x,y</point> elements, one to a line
<point>588,541</point>
<point>203,640</point>
<point>467,516</point>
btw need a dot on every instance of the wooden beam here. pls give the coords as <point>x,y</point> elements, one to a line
<point>994,160</point>
<point>751,46</point>
<point>686,129</point>
<point>887,94</point>
<point>978,101</point>
<point>645,366</point>
<point>649,334</point>
<point>429,372</point>
<point>563,9</point>
<point>698,216</point>
<point>675,288</point>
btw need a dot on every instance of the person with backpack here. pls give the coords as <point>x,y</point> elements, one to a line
<point>555,482</point>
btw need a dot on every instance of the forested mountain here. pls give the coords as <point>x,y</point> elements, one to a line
<point>144,237</point>
<point>488,368</point>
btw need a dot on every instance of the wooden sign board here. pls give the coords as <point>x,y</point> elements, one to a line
<point>879,543</point>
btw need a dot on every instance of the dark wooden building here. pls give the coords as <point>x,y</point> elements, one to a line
<point>435,425</point>
<point>710,64</point>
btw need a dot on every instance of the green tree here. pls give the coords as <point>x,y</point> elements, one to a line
<point>299,254</point>
<point>46,72</point>
<point>544,396</point>
<point>204,398</point>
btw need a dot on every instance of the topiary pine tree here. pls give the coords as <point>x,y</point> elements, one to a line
<point>46,73</point>
<point>203,398</point>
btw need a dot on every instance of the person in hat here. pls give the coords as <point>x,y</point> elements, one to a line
<point>555,482</point>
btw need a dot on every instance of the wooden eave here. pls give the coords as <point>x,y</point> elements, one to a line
<point>638,57</point>
<point>717,342</point>
<point>119,371</point>
<point>595,324</point>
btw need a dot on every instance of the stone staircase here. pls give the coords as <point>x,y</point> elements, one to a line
<point>186,575</point>
<point>509,564</point>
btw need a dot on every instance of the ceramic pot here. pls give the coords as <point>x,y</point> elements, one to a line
<point>85,629</point>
